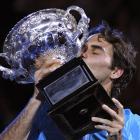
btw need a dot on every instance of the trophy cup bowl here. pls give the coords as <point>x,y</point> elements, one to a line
<point>52,31</point>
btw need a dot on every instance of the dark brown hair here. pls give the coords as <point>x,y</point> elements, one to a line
<point>123,55</point>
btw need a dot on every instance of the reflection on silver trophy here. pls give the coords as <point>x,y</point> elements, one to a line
<point>53,32</point>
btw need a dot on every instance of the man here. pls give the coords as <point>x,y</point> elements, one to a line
<point>111,59</point>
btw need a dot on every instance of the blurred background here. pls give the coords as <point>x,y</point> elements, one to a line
<point>121,14</point>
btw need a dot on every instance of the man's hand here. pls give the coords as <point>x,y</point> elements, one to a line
<point>44,67</point>
<point>115,125</point>
<point>20,128</point>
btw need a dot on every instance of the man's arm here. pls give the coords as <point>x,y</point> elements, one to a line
<point>20,127</point>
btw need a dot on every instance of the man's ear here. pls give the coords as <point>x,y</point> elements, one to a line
<point>116,73</point>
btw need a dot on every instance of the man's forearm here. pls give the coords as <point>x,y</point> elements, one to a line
<point>20,127</point>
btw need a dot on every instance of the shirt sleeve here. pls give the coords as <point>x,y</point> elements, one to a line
<point>44,128</point>
<point>41,136</point>
<point>131,130</point>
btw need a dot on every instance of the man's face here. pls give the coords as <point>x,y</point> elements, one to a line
<point>98,55</point>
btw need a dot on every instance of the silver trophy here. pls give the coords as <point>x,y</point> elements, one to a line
<point>52,32</point>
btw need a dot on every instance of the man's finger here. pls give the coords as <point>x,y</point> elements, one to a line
<point>42,72</point>
<point>117,103</point>
<point>114,115</point>
<point>104,122</point>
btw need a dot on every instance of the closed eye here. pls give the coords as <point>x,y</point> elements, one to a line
<point>97,49</point>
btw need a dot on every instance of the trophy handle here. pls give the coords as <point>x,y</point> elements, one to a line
<point>82,26</point>
<point>6,72</point>
<point>14,74</point>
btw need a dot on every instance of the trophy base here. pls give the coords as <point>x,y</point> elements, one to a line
<point>74,96</point>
